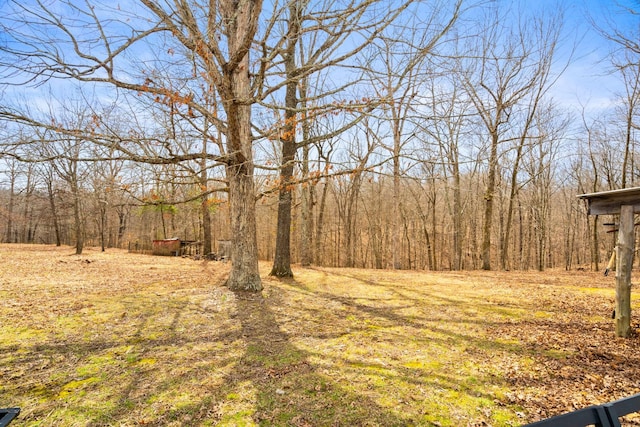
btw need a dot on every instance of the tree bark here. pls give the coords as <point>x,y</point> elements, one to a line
<point>244,274</point>
<point>54,211</point>
<point>10,205</point>
<point>488,203</point>
<point>206,213</point>
<point>306,221</point>
<point>513,191</point>
<point>241,23</point>
<point>457,218</point>
<point>282,259</point>
<point>396,251</point>
<point>307,191</point>
<point>77,218</point>
<point>122,225</point>
<point>320,223</point>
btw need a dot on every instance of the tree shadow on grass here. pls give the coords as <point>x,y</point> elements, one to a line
<point>553,364</point>
<point>242,367</point>
<point>123,372</point>
<point>288,389</point>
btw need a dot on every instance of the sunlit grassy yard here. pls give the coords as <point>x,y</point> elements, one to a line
<point>118,339</point>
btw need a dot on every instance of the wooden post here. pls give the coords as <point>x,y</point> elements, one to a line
<point>624,265</point>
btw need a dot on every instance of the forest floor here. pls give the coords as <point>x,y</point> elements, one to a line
<point>119,339</point>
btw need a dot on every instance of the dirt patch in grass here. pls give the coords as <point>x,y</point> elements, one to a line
<point>121,339</point>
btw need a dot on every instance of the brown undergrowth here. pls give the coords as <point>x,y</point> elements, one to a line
<point>118,339</point>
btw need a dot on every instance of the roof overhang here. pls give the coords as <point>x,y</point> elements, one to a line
<point>609,202</point>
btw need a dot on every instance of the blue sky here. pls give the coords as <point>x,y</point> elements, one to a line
<point>588,80</point>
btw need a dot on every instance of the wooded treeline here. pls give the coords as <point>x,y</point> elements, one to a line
<point>351,220</point>
<point>414,135</point>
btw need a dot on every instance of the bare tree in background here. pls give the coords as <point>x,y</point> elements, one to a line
<point>48,176</point>
<point>540,163</point>
<point>625,62</point>
<point>546,35</point>
<point>12,172</point>
<point>449,127</point>
<point>397,71</point>
<point>627,66</point>
<point>509,66</point>
<point>65,155</point>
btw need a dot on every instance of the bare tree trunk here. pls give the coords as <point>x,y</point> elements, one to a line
<point>570,235</point>
<point>396,252</point>
<point>244,275</point>
<point>513,191</point>
<point>627,146</point>
<point>103,225</point>
<point>488,203</point>
<point>527,247</point>
<point>306,221</point>
<point>206,226</point>
<point>77,218</point>
<point>282,259</point>
<point>521,237</point>
<point>348,214</point>
<point>30,221</point>
<point>204,206</point>
<point>54,211</point>
<point>307,190</point>
<point>457,219</point>
<point>236,93</point>
<point>320,223</point>
<point>10,205</point>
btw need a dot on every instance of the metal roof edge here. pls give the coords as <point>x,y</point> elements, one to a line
<point>621,191</point>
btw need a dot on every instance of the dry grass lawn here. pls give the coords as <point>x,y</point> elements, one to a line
<point>118,339</point>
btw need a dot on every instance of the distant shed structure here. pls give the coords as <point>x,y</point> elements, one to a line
<point>626,203</point>
<point>174,247</point>
<point>166,247</point>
